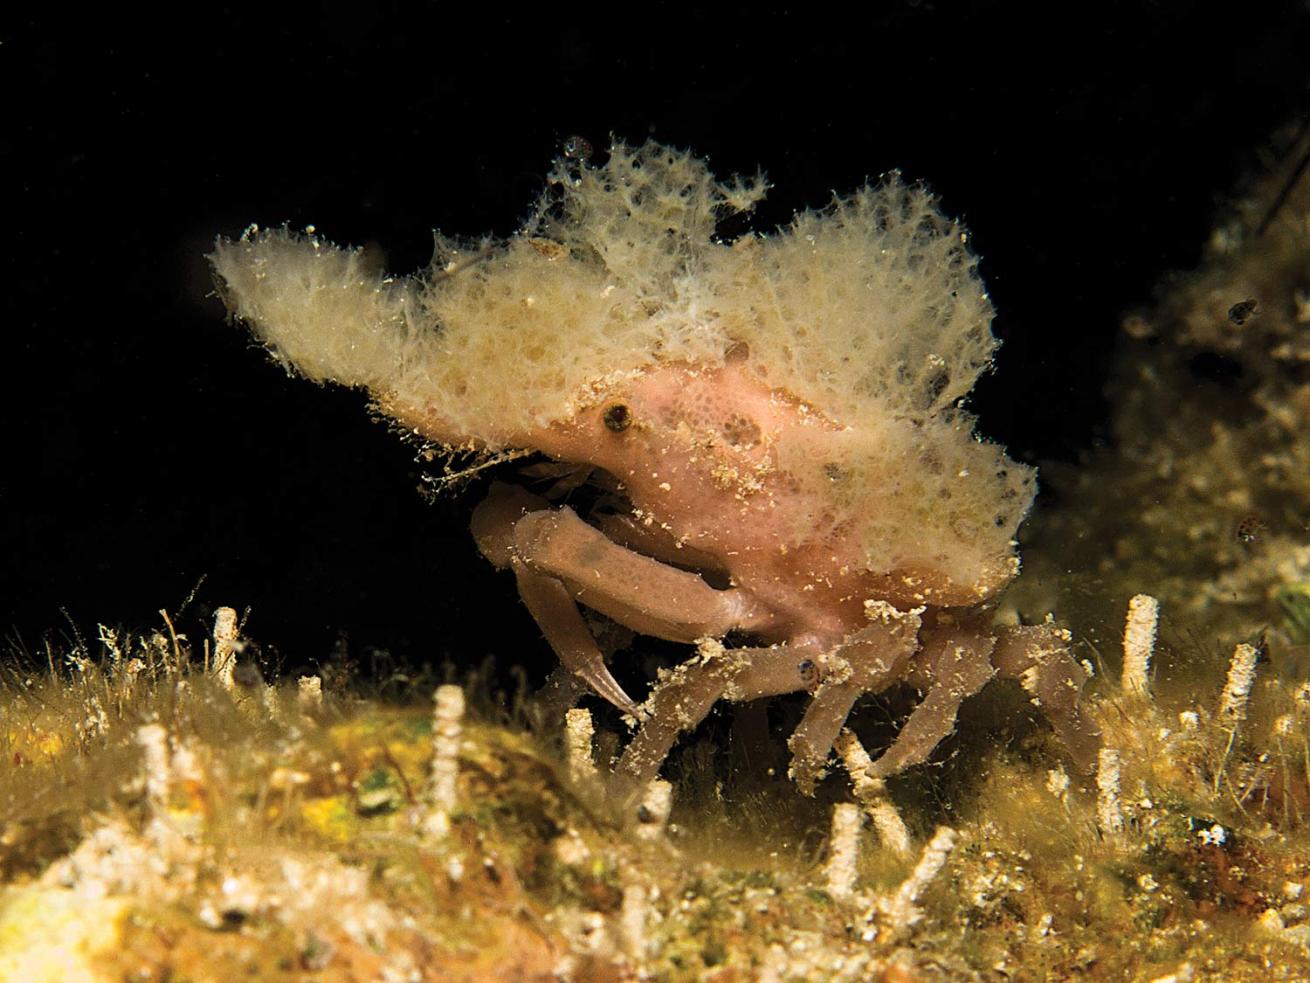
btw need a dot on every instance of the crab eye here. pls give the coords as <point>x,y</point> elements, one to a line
<point>617,417</point>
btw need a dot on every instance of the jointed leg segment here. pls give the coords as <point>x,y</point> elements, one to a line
<point>1038,657</point>
<point>550,603</point>
<point>869,661</point>
<point>686,694</point>
<point>951,666</point>
<point>642,593</point>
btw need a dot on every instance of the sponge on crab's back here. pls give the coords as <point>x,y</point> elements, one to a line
<point>869,306</point>
<point>321,310</point>
<point>607,277</point>
<point>871,311</point>
<point>872,305</point>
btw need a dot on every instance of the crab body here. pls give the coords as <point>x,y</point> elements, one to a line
<point>775,422</point>
<point>693,454</point>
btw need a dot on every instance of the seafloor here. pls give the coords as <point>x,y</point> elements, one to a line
<point>162,818</point>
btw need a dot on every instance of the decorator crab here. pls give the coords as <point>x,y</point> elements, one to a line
<point>776,421</point>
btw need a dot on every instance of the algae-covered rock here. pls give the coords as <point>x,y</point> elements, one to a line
<point>235,838</point>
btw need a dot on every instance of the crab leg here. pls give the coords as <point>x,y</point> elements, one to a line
<point>1038,657</point>
<point>494,518</point>
<point>654,540</point>
<point>870,660</point>
<point>686,694</point>
<point>561,622</point>
<point>558,560</point>
<point>551,605</point>
<point>954,667</point>
<point>637,591</point>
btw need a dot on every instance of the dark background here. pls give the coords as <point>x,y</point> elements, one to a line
<point>148,444</point>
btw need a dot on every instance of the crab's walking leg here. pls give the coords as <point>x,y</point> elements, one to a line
<point>637,591</point>
<point>1038,657</point>
<point>951,666</point>
<point>494,523</point>
<point>870,660</point>
<point>685,695</point>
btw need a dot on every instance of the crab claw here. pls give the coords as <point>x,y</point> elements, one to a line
<point>605,686</point>
<point>557,613</point>
<point>546,597</point>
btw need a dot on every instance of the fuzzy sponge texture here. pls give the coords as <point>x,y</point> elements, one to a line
<point>869,310</point>
<point>871,305</point>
